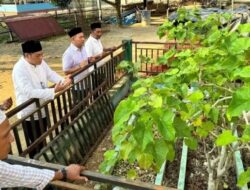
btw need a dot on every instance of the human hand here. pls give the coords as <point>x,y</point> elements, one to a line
<point>91,59</point>
<point>67,81</point>
<point>83,63</point>
<point>113,48</point>
<point>62,85</point>
<point>74,172</point>
<point>6,104</point>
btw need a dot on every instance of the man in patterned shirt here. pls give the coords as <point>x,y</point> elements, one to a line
<point>21,176</point>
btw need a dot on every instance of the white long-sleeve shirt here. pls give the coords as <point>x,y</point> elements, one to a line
<point>32,82</point>
<point>22,176</point>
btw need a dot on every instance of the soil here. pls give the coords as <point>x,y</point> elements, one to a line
<point>172,168</point>
<point>122,167</point>
<point>96,158</point>
<point>197,175</point>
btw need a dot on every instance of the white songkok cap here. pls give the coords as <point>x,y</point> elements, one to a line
<point>2,116</point>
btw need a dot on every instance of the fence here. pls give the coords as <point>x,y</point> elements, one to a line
<point>148,53</point>
<point>61,111</point>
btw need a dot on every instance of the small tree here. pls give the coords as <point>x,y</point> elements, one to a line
<point>197,100</point>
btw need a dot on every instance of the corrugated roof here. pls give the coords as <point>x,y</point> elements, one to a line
<point>34,27</point>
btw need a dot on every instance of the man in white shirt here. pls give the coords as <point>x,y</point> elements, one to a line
<point>96,51</point>
<point>94,45</point>
<point>31,75</point>
<point>74,59</point>
<point>21,176</point>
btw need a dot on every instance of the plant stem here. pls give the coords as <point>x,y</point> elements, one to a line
<point>219,87</point>
<point>221,100</point>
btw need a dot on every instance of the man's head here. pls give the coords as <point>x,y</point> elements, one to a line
<point>32,51</point>
<point>96,30</point>
<point>77,36</point>
<point>6,137</point>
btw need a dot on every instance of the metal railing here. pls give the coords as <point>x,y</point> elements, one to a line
<point>121,182</point>
<point>66,105</point>
<point>148,53</point>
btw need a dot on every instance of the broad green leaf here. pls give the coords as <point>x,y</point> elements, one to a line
<point>197,122</point>
<point>242,72</point>
<point>244,178</point>
<point>143,134</point>
<point>244,28</point>
<point>155,101</point>
<point>173,71</point>
<point>207,108</point>
<point>191,143</point>
<point>204,129</point>
<point>145,160</point>
<point>132,174</point>
<point>171,152</point>
<point>240,102</point>
<point>195,96</point>
<point>215,35</point>
<point>161,151</point>
<point>184,53</point>
<point>125,150</point>
<point>246,134</point>
<point>214,114</point>
<point>182,129</point>
<point>139,91</point>
<point>239,45</point>
<point>110,159</point>
<point>165,124</point>
<point>225,138</point>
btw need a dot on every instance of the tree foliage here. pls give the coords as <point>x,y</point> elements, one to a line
<point>198,100</point>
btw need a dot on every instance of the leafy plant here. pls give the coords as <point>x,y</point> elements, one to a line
<point>198,99</point>
<point>128,67</point>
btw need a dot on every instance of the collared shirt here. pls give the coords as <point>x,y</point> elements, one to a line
<point>94,47</point>
<point>22,176</point>
<point>32,82</point>
<point>72,57</point>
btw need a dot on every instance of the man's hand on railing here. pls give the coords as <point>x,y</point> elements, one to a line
<point>6,104</point>
<point>83,64</point>
<point>62,85</point>
<point>91,59</point>
<point>73,172</point>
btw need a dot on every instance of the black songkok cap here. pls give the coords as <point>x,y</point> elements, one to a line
<point>31,46</point>
<point>74,31</point>
<point>95,25</point>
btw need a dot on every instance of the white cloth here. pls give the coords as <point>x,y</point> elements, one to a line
<point>32,82</point>
<point>72,57</point>
<point>21,176</point>
<point>94,47</point>
<point>2,116</point>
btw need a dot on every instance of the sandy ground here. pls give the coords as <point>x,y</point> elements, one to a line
<point>54,47</point>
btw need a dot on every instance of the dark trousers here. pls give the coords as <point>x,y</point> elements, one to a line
<point>97,79</point>
<point>33,131</point>
<point>78,96</point>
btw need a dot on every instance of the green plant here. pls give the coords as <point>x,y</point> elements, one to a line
<point>198,99</point>
<point>128,67</point>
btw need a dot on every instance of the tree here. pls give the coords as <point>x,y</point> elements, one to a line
<point>65,4</point>
<point>117,5</point>
<point>201,100</point>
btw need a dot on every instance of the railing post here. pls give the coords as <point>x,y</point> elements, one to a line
<point>127,46</point>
